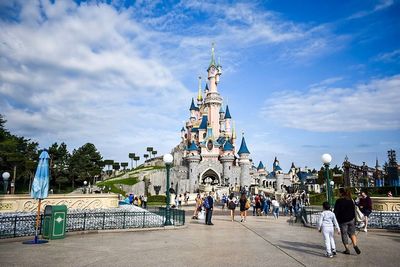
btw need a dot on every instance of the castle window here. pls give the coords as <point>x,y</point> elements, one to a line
<point>229,167</point>
<point>204,135</point>
<point>190,170</point>
<point>185,136</point>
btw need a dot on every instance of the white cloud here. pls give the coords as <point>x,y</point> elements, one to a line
<point>369,106</point>
<point>83,73</point>
<point>393,56</point>
<point>383,4</point>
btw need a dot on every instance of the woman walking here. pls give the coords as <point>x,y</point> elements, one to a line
<point>198,207</point>
<point>345,215</point>
<point>275,207</point>
<point>232,205</point>
<point>365,206</point>
<point>243,208</point>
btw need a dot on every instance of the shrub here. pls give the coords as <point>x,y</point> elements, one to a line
<point>159,198</point>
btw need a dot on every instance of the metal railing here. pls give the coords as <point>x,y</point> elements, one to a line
<point>377,219</point>
<point>24,225</point>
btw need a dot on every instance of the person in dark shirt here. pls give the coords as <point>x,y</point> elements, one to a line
<point>365,206</point>
<point>345,215</point>
<point>210,208</point>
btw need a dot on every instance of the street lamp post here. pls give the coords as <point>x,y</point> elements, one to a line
<point>85,188</point>
<point>326,159</point>
<point>168,163</point>
<point>6,176</point>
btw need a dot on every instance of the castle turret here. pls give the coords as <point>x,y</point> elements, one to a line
<point>227,162</point>
<point>193,159</point>
<point>193,110</point>
<point>227,119</point>
<point>244,164</point>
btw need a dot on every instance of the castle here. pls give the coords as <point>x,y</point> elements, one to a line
<point>206,156</point>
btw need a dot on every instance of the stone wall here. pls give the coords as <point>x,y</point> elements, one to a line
<point>25,203</point>
<point>385,203</point>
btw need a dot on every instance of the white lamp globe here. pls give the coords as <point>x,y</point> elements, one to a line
<point>84,182</point>
<point>332,183</point>
<point>6,175</point>
<point>167,158</point>
<point>326,158</point>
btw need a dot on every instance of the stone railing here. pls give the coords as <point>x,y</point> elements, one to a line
<point>385,203</point>
<point>25,203</point>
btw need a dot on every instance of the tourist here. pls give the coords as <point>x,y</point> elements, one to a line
<point>244,206</point>
<point>232,205</point>
<point>185,198</point>
<point>365,205</point>
<point>209,205</point>
<point>145,202</point>
<point>131,198</point>
<point>176,200</point>
<point>180,200</point>
<point>267,203</point>
<point>327,222</point>
<point>275,207</point>
<point>345,215</point>
<point>253,204</point>
<point>197,209</point>
<point>135,201</point>
<point>389,194</point>
<point>224,201</point>
<point>257,200</point>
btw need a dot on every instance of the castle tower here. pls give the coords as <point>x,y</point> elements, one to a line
<point>193,110</point>
<point>213,99</point>
<point>193,159</point>
<point>227,162</point>
<point>244,164</point>
<point>228,119</point>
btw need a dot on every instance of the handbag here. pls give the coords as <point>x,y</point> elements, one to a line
<point>202,215</point>
<point>231,205</point>
<point>359,215</point>
<point>247,206</point>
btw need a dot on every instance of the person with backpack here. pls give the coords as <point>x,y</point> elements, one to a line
<point>209,205</point>
<point>345,215</point>
<point>232,205</point>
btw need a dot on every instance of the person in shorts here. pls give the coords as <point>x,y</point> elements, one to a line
<point>345,215</point>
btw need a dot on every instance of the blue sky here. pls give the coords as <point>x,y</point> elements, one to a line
<point>301,78</point>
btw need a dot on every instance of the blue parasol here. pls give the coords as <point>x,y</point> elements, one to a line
<point>40,190</point>
<point>40,185</point>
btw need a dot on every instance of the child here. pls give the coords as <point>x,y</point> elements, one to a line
<point>327,221</point>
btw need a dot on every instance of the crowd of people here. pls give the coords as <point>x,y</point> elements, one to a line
<point>139,201</point>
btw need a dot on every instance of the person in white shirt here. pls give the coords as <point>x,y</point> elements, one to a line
<point>327,222</point>
<point>275,207</point>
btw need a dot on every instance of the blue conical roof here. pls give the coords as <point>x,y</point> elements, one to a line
<point>228,146</point>
<point>260,166</point>
<point>192,106</point>
<point>221,110</point>
<point>183,129</point>
<point>203,124</point>
<point>227,113</point>
<point>192,147</point>
<point>243,148</point>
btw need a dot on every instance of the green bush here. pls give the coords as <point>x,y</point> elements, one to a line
<point>159,198</point>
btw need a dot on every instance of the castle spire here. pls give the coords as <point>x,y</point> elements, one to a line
<point>212,62</point>
<point>227,113</point>
<point>199,95</point>
<point>243,147</point>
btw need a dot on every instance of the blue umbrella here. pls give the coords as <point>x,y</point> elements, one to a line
<point>40,185</point>
<point>40,190</point>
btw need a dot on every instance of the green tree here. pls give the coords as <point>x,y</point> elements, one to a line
<point>146,156</point>
<point>108,163</point>
<point>154,153</point>
<point>137,158</point>
<point>59,163</point>
<point>131,156</point>
<point>149,149</point>
<point>85,164</point>
<point>17,156</point>
<point>124,165</point>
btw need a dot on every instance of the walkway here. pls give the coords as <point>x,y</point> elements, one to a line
<point>258,242</point>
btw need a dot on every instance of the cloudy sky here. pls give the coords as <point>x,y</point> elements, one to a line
<point>301,78</point>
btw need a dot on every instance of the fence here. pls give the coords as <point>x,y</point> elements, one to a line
<point>377,219</point>
<point>24,225</point>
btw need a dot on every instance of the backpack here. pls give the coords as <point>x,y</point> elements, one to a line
<point>206,204</point>
<point>231,205</point>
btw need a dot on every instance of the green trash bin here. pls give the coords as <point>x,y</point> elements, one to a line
<point>55,222</point>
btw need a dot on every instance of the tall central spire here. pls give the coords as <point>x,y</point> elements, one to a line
<point>212,62</point>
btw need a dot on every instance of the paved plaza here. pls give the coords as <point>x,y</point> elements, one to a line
<point>260,241</point>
